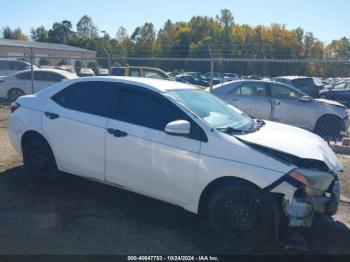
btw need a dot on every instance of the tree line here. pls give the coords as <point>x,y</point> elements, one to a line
<point>202,36</point>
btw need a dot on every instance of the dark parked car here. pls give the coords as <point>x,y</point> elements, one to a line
<point>192,80</point>
<point>308,85</point>
<point>339,92</point>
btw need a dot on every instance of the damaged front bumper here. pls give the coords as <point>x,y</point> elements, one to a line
<point>302,203</point>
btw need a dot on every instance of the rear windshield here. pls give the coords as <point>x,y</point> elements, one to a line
<point>303,82</point>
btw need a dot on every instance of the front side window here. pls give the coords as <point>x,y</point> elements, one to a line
<point>284,92</point>
<point>145,110</point>
<point>212,110</point>
<point>97,98</point>
<point>250,89</point>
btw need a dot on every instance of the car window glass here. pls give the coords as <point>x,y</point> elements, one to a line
<point>119,71</point>
<point>250,89</point>
<point>303,82</point>
<point>153,74</point>
<point>89,97</point>
<point>17,66</point>
<point>134,72</point>
<point>51,77</point>
<point>284,92</point>
<point>145,110</point>
<point>24,76</point>
<point>340,86</point>
<point>4,65</point>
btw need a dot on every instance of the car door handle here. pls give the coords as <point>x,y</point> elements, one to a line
<point>116,132</point>
<point>52,115</point>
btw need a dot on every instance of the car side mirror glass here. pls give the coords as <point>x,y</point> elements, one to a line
<point>305,99</point>
<point>178,127</point>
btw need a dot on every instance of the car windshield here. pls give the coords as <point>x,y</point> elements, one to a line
<point>212,110</point>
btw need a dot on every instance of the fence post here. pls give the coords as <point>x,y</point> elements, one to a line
<point>32,69</point>
<point>211,69</point>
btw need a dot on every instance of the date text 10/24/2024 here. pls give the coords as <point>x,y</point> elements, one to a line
<point>173,258</point>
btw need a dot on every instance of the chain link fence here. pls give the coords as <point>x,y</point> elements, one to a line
<point>328,80</point>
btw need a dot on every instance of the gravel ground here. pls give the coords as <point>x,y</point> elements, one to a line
<point>77,216</point>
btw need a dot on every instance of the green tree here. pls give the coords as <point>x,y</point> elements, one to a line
<point>39,34</point>
<point>86,28</point>
<point>61,32</point>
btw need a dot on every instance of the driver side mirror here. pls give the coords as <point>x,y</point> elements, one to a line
<point>178,127</point>
<point>305,99</point>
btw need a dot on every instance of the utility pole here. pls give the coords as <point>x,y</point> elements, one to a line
<point>211,69</point>
<point>105,48</point>
<point>32,69</point>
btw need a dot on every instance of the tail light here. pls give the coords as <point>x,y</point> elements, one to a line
<point>15,106</point>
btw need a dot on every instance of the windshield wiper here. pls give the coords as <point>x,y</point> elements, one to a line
<point>229,129</point>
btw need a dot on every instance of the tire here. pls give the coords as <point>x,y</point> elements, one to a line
<point>328,126</point>
<point>14,93</point>
<point>243,216</point>
<point>39,160</point>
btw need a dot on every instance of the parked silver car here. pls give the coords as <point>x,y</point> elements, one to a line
<point>282,103</point>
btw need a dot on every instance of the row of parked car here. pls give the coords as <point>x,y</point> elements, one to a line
<point>290,100</point>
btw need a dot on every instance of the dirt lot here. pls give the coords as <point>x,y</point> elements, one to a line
<point>76,216</point>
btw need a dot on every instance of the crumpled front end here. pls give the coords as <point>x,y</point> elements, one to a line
<point>307,194</point>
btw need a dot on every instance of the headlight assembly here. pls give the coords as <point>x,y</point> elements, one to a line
<point>314,179</point>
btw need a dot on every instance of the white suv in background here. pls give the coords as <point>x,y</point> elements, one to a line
<point>20,83</point>
<point>181,145</point>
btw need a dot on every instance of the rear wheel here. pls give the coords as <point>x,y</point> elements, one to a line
<point>242,215</point>
<point>38,159</point>
<point>14,93</point>
<point>329,126</point>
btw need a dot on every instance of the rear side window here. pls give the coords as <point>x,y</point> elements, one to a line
<point>250,89</point>
<point>17,65</point>
<point>145,110</point>
<point>118,71</point>
<point>49,76</point>
<point>97,98</point>
<point>4,65</point>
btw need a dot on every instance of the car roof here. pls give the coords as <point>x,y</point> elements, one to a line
<point>59,71</point>
<point>292,77</point>
<point>157,85</point>
<point>143,67</point>
<point>242,81</point>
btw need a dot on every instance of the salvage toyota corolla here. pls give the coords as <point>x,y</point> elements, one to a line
<point>176,143</point>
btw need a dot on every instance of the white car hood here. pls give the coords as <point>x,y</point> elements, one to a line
<point>294,141</point>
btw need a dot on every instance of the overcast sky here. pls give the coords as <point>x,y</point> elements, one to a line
<point>327,19</point>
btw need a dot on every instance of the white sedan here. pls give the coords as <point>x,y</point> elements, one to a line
<point>20,83</point>
<point>182,145</point>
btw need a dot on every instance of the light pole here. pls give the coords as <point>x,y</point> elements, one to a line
<point>105,48</point>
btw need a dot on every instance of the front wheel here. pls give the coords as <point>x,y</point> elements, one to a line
<point>14,93</point>
<point>242,215</point>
